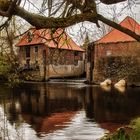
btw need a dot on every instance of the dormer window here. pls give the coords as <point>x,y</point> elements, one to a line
<point>30,36</point>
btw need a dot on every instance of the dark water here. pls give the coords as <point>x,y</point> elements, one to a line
<point>64,111</point>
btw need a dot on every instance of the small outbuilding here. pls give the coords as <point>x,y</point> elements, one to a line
<point>117,55</point>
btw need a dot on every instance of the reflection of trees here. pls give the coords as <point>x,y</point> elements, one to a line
<point>42,105</point>
<point>48,99</point>
<point>116,107</point>
<point>89,103</point>
<point>12,111</point>
<point>111,106</point>
<point>43,100</point>
<point>35,104</point>
<point>13,132</point>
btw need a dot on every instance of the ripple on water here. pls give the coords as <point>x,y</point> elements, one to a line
<point>80,128</point>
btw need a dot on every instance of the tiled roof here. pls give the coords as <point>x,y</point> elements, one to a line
<point>115,36</point>
<point>58,39</point>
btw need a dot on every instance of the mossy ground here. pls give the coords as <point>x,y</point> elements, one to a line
<point>130,132</point>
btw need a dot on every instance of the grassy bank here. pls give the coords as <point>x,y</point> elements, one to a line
<point>130,132</point>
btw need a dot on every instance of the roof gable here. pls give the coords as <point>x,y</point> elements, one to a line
<point>57,39</point>
<point>115,36</point>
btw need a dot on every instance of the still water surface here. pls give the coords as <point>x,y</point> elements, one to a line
<point>40,111</point>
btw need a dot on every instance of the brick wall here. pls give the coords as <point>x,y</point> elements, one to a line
<point>117,61</point>
<point>64,57</point>
<point>53,56</point>
<point>54,63</point>
<point>117,49</point>
<point>34,56</point>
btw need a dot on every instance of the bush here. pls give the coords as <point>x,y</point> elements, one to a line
<point>131,132</point>
<point>135,134</point>
<point>9,70</point>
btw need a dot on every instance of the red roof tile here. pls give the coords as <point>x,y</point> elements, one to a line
<point>117,36</point>
<point>58,39</point>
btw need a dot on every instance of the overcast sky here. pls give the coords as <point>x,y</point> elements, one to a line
<point>120,11</point>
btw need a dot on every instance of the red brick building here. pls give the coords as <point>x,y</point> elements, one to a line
<point>47,50</point>
<point>117,55</point>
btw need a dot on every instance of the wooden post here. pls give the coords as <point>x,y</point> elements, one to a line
<point>90,62</point>
<point>44,65</point>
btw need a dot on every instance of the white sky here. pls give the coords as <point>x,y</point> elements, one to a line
<point>75,31</point>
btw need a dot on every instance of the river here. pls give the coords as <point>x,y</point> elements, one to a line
<point>64,111</point>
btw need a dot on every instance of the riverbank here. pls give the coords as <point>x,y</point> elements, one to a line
<point>130,132</point>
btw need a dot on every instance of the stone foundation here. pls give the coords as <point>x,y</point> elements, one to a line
<point>56,71</point>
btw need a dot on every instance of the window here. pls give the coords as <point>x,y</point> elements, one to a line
<point>76,53</point>
<point>108,53</point>
<point>44,53</point>
<point>44,57</point>
<point>36,49</point>
<point>27,51</point>
<point>36,54</point>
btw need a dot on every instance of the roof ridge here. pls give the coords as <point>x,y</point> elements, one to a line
<point>127,18</point>
<point>39,32</point>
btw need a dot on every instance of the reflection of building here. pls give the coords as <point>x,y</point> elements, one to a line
<point>116,55</point>
<point>47,100</point>
<point>54,53</point>
<point>44,107</point>
<point>41,105</point>
<point>113,109</point>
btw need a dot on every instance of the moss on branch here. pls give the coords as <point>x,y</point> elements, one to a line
<point>50,22</point>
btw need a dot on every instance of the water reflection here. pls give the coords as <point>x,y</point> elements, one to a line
<point>121,89</point>
<point>50,111</point>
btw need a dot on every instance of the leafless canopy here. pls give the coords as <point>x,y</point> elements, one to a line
<point>61,13</point>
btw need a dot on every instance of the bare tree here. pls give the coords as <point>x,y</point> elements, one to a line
<point>61,14</point>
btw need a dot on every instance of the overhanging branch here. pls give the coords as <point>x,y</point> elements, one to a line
<point>49,22</point>
<point>119,27</point>
<point>111,1</point>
